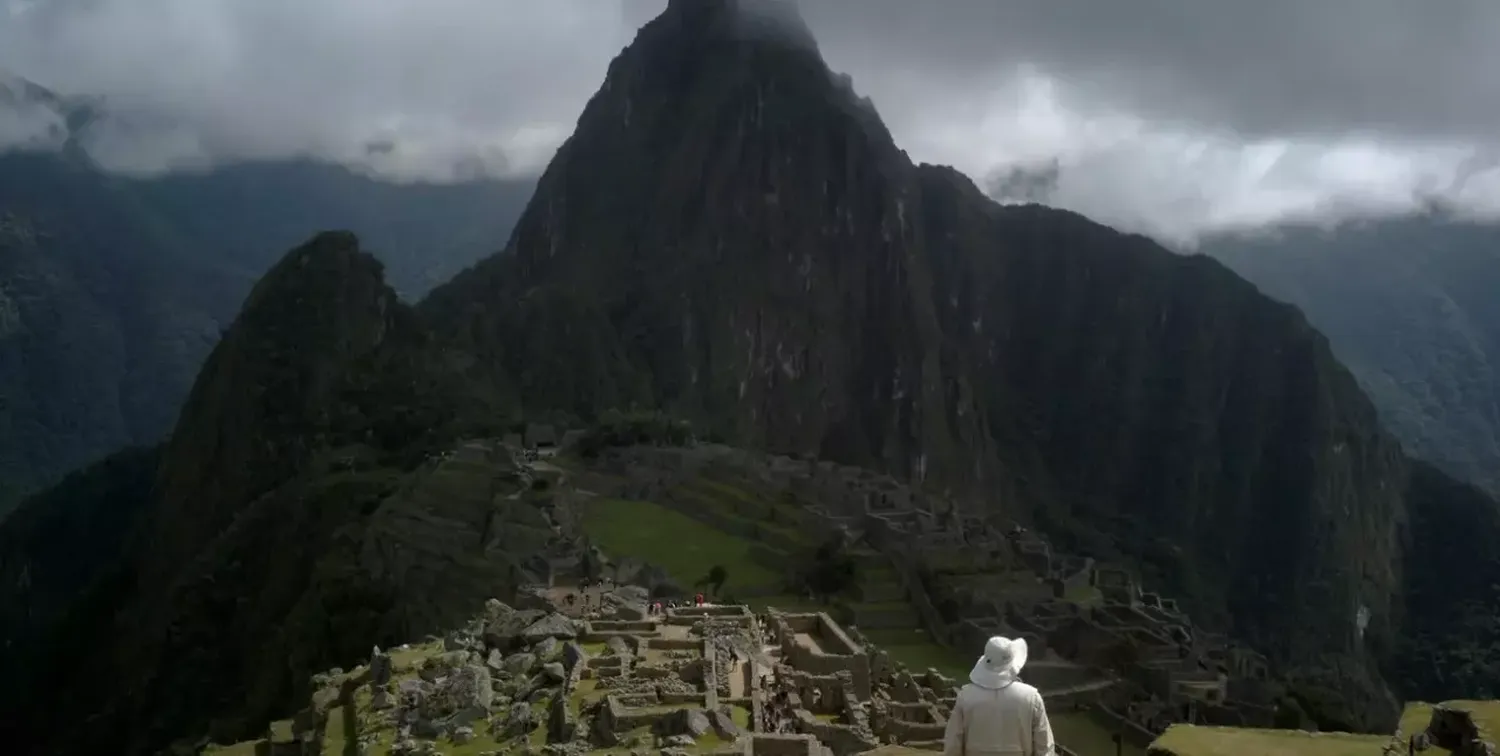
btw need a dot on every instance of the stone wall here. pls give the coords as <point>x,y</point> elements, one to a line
<point>836,653</point>
<point>766,744</point>
<point>1455,729</point>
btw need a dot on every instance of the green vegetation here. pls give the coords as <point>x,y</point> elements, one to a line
<point>1486,714</point>
<point>1188,740</point>
<point>113,291</point>
<point>832,571</point>
<point>615,428</point>
<point>1452,645</point>
<point>1086,734</point>
<point>684,547</point>
<point>1408,304</point>
<point>916,648</point>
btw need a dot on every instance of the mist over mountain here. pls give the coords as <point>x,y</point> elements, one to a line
<point>1408,304</point>
<point>113,290</point>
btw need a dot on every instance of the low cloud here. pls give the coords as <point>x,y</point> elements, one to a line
<point>1171,119</point>
<point>27,123</point>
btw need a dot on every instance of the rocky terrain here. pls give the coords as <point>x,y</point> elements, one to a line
<point>731,243</point>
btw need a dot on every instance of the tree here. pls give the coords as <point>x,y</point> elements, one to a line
<point>833,570</point>
<point>716,577</point>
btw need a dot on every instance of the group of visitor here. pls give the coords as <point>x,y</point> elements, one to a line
<point>656,608</point>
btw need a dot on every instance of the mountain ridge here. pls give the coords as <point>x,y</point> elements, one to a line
<point>114,289</point>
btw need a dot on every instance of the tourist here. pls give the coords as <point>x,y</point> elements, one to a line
<point>698,600</point>
<point>996,714</point>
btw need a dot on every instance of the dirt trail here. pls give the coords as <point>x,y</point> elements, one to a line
<point>737,679</point>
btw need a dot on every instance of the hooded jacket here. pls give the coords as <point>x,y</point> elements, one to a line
<point>1009,721</point>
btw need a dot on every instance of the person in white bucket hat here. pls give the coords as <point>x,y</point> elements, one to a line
<point>996,714</point>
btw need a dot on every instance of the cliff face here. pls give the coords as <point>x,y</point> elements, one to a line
<point>1452,597</point>
<point>1409,306</point>
<point>267,389</point>
<point>746,232</point>
<point>773,266</point>
<point>291,524</point>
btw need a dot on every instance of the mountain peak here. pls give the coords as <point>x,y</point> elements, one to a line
<point>272,376</point>
<point>778,20</point>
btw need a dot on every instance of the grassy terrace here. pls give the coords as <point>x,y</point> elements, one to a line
<point>687,548</point>
<point>1190,740</point>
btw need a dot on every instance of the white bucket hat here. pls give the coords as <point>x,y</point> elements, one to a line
<point>1002,662</point>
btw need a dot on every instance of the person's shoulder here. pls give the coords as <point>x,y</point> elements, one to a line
<point>1027,690</point>
<point>968,691</point>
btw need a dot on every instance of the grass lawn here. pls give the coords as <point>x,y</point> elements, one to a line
<point>916,649</point>
<point>1087,736</point>
<point>1189,740</point>
<point>717,497</point>
<point>247,748</point>
<point>685,548</point>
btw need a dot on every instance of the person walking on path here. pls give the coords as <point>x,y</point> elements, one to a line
<point>996,714</point>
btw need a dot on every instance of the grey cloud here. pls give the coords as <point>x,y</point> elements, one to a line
<point>447,83</point>
<point>1270,67</point>
<point>31,127</point>
<point>28,122</point>
<point>1163,116</point>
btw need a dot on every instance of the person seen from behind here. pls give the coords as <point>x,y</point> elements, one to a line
<point>996,714</point>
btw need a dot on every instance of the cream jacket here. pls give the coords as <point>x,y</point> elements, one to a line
<point>1011,721</point>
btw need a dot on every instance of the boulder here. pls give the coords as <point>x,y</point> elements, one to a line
<point>505,630</point>
<point>545,648</point>
<point>324,699</point>
<point>697,722</point>
<point>380,668</point>
<point>724,725</point>
<point>562,726</point>
<point>381,700</point>
<point>554,672</point>
<point>692,722</point>
<point>551,626</point>
<point>519,663</point>
<point>518,720</point>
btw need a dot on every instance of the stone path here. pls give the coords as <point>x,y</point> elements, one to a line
<point>558,594</point>
<point>737,678</point>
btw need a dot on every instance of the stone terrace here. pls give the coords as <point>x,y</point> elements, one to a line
<point>1126,659</point>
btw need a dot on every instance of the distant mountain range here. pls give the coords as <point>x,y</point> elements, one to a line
<point>1412,306</point>
<point>113,290</point>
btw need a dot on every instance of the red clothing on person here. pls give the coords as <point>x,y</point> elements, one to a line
<point>699,599</point>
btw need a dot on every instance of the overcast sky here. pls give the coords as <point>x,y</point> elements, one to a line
<point>1172,117</point>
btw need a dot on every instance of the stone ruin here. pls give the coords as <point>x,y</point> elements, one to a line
<point>705,679</point>
<point>1460,728</point>
<point>1101,642</point>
